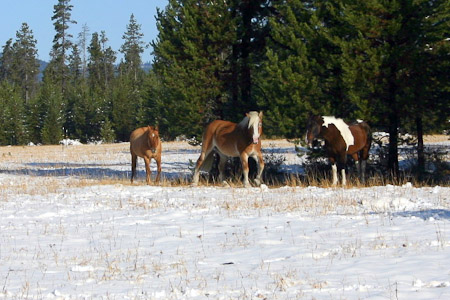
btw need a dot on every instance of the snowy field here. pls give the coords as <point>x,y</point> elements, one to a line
<point>73,227</point>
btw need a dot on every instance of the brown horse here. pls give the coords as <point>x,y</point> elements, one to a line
<point>145,143</point>
<point>233,140</point>
<point>341,140</point>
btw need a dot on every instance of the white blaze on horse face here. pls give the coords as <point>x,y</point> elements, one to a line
<point>254,123</point>
<point>342,127</point>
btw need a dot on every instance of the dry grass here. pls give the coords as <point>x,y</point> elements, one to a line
<point>103,155</point>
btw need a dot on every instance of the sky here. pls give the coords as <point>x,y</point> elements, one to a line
<point>112,16</point>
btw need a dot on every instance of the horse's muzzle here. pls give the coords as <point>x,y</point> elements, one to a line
<point>255,140</point>
<point>153,150</point>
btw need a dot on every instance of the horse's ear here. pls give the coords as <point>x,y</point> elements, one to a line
<point>246,114</point>
<point>157,127</point>
<point>260,114</point>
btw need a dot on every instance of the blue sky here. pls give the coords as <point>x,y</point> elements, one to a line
<point>112,16</point>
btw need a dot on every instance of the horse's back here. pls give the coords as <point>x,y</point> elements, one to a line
<point>222,135</point>
<point>220,126</point>
<point>362,137</point>
<point>217,128</point>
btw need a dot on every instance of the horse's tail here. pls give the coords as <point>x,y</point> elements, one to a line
<point>208,162</point>
<point>366,127</point>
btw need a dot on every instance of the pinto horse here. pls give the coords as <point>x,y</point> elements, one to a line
<point>233,140</point>
<point>341,140</point>
<point>145,143</point>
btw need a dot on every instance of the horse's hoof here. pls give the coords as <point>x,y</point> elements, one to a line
<point>257,182</point>
<point>247,185</point>
<point>193,184</point>
<point>225,184</point>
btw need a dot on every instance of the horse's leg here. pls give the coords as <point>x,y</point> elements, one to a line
<point>341,165</point>
<point>147,169</point>
<point>206,150</point>
<point>344,180</point>
<point>244,162</point>
<point>158,164</point>
<point>133,166</point>
<point>333,170</point>
<point>356,158</point>
<point>222,163</point>
<point>260,166</point>
<point>363,171</point>
<point>364,156</point>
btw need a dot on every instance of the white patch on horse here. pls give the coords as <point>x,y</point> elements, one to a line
<point>342,127</point>
<point>253,121</point>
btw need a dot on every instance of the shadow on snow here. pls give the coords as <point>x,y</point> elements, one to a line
<point>437,214</point>
<point>99,171</point>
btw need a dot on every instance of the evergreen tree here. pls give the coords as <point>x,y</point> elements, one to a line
<point>12,116</point>
<point>132,49</point>
<point>108,61</point>
<point>387,56</point>
<point>248,48</point>
<point>107,133</point>
<point>83,37</point>
<point>124,108</point>
<point>101,64</point>
<point>6,62</point>
<point>191,65</point>
<point>101,78</point>
<point>25,65</point>
<point>57,68</point>
<point>75,66</point>
<point>50,109</point>
<point>290,79</point>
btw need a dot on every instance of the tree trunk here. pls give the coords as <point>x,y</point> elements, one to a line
<point>420,148</point>
<point>246,82</point>
<point>393,145</point>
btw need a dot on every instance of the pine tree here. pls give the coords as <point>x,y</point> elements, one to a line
<point>57,68</point>
<point>385,58</point>
<point>6,62</point>
<point>124,108</point>
<point>101,77</point>
<point>12,116</point>
<point>290,80</point>
<point>83,37</point>
<point>51,108</point>
<point>25,64</point>
<point>132,49</point>
<point>191,65</point>
<point>248,48</point>
<point>101,63</point>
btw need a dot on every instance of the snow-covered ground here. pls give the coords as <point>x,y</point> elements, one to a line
<point>73,227</point>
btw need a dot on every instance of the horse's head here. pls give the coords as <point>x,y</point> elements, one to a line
<point>255,125</point>
<point>313,129</point>
<point>153,138</point>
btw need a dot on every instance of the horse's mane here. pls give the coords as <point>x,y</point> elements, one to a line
<point>247,122</point>
<point>342,127</point>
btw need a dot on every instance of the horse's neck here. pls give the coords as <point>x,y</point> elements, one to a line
<point>327,133</point>
<point>242,128</point>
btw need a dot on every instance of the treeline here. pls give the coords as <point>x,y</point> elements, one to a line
<point>383,61</point>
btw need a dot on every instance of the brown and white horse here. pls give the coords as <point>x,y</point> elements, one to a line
<point>341,140</point>
<point>229,139</point>
<point>145,143</point>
